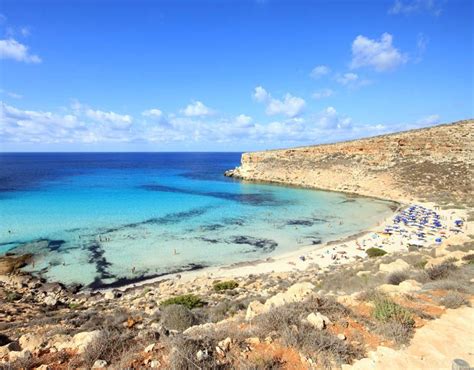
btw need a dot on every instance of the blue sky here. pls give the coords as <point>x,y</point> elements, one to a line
<point>228,75</point>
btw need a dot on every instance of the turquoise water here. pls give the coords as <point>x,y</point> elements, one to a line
<point>110,219</point>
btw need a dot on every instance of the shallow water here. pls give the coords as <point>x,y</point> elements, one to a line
<point>110,219</point>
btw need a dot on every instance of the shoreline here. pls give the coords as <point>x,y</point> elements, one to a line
<point>291,261</point>
<point>297,260</point>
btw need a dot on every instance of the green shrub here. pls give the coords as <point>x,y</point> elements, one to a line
<point>386,311</point>
<point>225,285</point>
<point>375,252</point>
<point>188,300</point>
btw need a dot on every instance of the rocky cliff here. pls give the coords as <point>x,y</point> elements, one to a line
<point>431,164</point>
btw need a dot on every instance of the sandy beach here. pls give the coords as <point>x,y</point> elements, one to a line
<point>337,252</point>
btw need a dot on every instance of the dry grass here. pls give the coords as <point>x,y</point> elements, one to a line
<point>110,346</point>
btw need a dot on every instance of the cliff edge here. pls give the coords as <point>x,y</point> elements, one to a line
<point>432,164</point>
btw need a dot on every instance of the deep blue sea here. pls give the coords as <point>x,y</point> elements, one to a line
<point>109,219</point>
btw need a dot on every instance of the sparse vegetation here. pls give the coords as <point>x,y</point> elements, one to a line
<point>440,271</point>
<point>225,285</point>
<point>375,252</point>
<point>454,300</point>
<point>110,346</point>
<point>388,311</point>
<point>177,317</point>
<point>188,300</point>
<point>395,278</point>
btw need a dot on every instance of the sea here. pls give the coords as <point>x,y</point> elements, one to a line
<point>106,220</point>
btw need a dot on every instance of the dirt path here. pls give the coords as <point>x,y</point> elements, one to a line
<point>434,346</point>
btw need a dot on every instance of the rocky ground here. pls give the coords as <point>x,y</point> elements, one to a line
<point>380,312</point>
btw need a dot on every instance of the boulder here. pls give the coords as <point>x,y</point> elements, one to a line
<point>7,348</point>
<point>109,295</point>
<point>225,344</point>
<point>318,320</point>
<point>149,348</point>
<point>99,364</point>
<point>255,308</point>
<point>50,301</point>
<point>200,330</point>
<point>202,355</point>
<point>406,286</point>
<point>396,266</point>
<point>31,342</point>
<point>19,355</point>
<point>296,293</point>
<point>80,341</point>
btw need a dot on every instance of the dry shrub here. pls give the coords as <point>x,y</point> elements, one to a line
<point>177,317</point>
<point>183,352</point>
<point>454,300</point>
<point>109,346</point>
<point>322,344</point>
<point>399,333</point>
<point>441,271</point>
<point>395,278</point>
<point>262,361</point>
<point>286,322</point>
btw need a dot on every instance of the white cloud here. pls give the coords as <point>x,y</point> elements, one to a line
<point>429,120</point>
<point>153,113</point>
<point>407,7</point>
<point>81,124</point>
<point>320,71</point>
<point>347,78</point>
<point>323,93</point>
<point>260,94</point>
<point>421,44</point>
<point>330,119</point>
<point>12,49</point>
<point>351,80</point>
<point>243,120</point>
<point>11,94</point>
<point>290,106</point>
<point>118,120</point>
<point>196,109</point>
<point>381,55</point>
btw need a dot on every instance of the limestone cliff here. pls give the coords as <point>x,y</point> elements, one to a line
<point>431,164</point>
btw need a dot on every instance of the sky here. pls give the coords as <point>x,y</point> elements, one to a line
<point>228,75</point>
